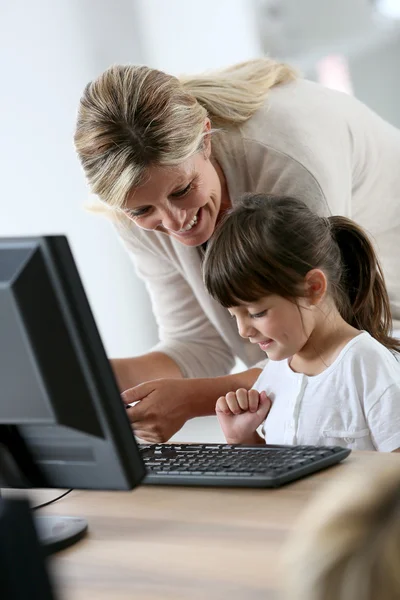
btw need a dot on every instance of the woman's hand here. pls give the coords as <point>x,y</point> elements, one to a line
<point>163,407</point>
<point>240,413</point>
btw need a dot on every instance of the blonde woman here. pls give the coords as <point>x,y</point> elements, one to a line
<point>346,545</point>
<point>166,157</point>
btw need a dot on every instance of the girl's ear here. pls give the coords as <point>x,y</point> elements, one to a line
<point>316,286</point>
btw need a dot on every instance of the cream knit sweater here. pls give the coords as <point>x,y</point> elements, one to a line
<point>319,145</point>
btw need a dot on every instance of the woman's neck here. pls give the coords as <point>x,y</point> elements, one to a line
<point>225,198</point>
<point>324,345</point>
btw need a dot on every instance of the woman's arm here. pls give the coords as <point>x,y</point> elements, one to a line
<point>186,333</point>
<point>130,372</point>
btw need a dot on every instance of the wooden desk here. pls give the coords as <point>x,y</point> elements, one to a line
<point>159,543</point>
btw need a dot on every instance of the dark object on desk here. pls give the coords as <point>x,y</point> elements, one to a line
<point>62,421</point>
<point>23,573</point>
<point>235,466</point>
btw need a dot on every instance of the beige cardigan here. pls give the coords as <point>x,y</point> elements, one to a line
<point>310,142</point>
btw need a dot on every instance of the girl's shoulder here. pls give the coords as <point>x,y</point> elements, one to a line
<point>370,366</point>
<point>365,351</point>
<point>365,347</point>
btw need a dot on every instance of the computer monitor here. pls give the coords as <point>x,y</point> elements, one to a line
<point>62,421</point>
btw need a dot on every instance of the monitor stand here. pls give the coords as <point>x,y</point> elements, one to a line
<point>18,470</point>
<point>57,533</point>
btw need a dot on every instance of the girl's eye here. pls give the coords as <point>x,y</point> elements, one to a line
<point>181,193</point>
<point>258,315</point>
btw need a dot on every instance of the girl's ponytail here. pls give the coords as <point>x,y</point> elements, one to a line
<point>363,300</point>
<point>267,244</point>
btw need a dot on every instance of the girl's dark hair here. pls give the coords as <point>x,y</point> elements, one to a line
<point>267,244</point>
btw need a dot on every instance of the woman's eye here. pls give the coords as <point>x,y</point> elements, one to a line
<point>183,192</point>
<point>137,212</point>
<point>258,315</point>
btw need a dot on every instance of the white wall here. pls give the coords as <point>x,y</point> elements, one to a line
<point>49,51</point>
<point>183,36</point>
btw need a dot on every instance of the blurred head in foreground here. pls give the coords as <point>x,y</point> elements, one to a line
<point>347,543</point>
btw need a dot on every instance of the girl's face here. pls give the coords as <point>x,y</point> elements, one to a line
<point>183,201</point>
<point>280,327</point>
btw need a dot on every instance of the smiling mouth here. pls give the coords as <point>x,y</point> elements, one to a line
<point>190,225</point>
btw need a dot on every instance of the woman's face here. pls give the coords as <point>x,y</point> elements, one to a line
<point>183,201</point>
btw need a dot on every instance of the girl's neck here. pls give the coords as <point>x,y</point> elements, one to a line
<point>324,345</point>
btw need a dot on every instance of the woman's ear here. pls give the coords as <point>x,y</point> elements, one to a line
<point>316,286</point>
<point>207,139</point>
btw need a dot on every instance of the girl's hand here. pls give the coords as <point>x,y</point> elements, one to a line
<point>240,413</point>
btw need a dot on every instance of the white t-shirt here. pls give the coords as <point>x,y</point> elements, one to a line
<point>354,403</point>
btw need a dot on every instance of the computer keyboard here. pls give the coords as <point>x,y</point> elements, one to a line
<point>235,465</point>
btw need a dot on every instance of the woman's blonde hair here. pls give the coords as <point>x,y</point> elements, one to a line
<point>347,543</point>
<point>133,117</point>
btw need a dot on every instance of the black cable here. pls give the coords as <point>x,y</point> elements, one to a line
<point>51,501</point>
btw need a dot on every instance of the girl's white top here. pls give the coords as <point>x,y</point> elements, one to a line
<point>354,403</point>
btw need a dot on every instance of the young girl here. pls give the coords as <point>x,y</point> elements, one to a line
<point>310,292</point>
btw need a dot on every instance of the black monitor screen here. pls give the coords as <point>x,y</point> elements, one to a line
<point>62,422</point>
